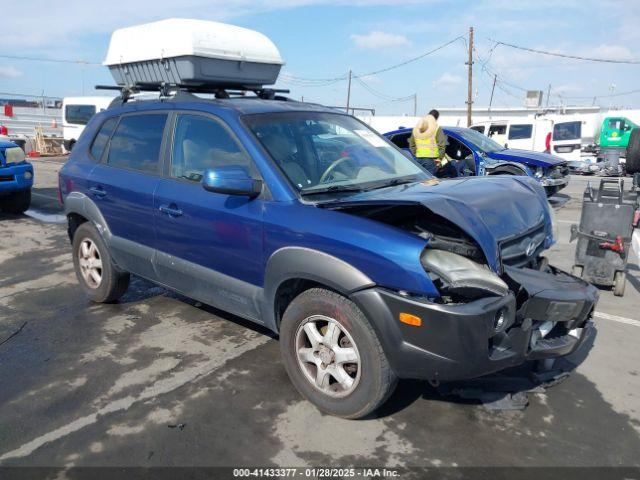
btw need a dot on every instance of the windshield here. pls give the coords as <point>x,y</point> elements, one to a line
<point>331,152</point>
<point>480,141</point>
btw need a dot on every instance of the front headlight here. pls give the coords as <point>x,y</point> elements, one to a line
<point>539,172</point>
<point>459,272</point>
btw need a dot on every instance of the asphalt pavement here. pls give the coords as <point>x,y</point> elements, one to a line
<point>160,380</point>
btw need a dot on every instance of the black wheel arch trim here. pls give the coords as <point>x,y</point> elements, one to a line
<point>304,263</point>
<point>80,204</point>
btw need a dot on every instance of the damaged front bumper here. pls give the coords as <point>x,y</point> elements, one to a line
<point>546,315</point>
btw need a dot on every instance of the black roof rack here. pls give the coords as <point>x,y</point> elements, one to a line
<point>220,91</point>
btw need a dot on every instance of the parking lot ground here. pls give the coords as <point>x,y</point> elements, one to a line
<point>160,380</point>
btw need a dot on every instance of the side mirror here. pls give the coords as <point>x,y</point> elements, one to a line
<point>231,181</point>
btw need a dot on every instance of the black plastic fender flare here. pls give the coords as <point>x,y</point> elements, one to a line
<point>304,263</point>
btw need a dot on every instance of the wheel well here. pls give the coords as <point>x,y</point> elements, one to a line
<point>74,221</point>
<point>508,170</point>
<point>290,289</point>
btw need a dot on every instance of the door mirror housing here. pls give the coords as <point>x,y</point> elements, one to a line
<point>231,181</point>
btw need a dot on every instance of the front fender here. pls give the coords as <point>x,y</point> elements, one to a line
<point>305,263</point>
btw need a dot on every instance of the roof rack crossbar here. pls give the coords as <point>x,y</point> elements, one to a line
<point>219,90</point>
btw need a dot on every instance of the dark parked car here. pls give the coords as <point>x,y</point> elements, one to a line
<point>16,178</point>
<point>477,154</point>
<point>302,219</point>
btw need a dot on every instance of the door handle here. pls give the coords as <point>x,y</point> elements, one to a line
<point>98,192</point>
<point>170,210</point>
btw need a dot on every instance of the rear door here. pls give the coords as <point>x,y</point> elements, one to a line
<point>520,136</point>
<point>566,139</point>
<point>122,185</point>
<point>210,245</point>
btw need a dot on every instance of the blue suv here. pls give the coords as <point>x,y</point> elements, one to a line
<point>302,219</point>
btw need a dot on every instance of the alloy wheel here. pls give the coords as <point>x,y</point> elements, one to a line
<point>328,356</point>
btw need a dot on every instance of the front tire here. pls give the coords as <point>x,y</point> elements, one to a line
<point>333,356</point>
<point>17,202</point>
<point>98,276</point>
<point>619,283</point>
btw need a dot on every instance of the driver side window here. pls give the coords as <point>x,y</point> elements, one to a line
<point>200,143</point>
<point>456,150</point>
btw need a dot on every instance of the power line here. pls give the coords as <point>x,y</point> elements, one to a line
<point>313,82</point>
<point>53,60</point>
<point>566,55</point>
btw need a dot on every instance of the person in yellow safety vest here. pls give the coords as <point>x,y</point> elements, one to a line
<point>428,142</point>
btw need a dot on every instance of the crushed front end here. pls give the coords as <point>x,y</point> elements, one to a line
<point>484,319</point>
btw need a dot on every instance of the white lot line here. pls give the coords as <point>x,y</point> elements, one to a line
<point>46,217</point>
<point>160,387</point>
<point>616,318</point>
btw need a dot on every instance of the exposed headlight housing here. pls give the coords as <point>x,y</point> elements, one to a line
<point>539,173</point>
<point>460,273</point>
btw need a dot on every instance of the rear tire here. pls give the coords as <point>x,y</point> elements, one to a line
<point>312,355</point>
<point>619,283</point>
<point>98,276</point>
<point>633,152</point>
<point>17,202</point>
<point>577,270</point>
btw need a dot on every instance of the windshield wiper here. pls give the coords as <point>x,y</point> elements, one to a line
<point>331,189</point>
<point>393,182</point>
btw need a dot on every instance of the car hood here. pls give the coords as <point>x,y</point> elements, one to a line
<point>538,159</point>
<point>488,209</point>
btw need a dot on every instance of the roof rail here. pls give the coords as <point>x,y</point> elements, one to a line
<point>172,89</point>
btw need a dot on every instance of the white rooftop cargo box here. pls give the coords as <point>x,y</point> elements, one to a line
<point>194,52</point>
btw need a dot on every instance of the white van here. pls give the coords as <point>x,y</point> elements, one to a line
<point>525,134</point>
<point>76,113</point>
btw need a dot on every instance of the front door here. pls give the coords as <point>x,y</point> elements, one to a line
<point>123,184</point>
<point>210,245</point>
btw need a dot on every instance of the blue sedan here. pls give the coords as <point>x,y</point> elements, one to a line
<point>473,153</point>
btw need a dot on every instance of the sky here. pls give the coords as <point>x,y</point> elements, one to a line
<point>324,39</point>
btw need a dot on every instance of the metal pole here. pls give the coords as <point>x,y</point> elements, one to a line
<point>470,77</point>
<point>548,94</point>
<point>495,77</point>
<point>415,104</point>
<point>349,92</point>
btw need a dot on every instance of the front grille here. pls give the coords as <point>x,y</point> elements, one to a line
<point>522,250</point>
<point>7,178</point>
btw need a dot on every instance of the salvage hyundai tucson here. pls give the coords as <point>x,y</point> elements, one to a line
<point>302,219</point>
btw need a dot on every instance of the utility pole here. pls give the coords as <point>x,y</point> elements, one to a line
<point>495,78</point>
<point>415,104</point>
<point>548,94</point>
<point>470,77</point>
<point>349,93</point>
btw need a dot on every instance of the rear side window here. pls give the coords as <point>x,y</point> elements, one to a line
<point>79,114</point>
<point>497,130</point>
<point>519,132</point>
<point>136,142</point>
<point>201,143</point>
<point>101,139</point>
<point>567,131</point>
